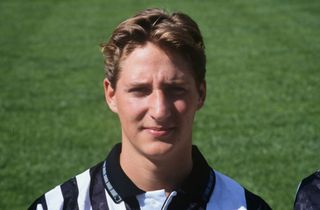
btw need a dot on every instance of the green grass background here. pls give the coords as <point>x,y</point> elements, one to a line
<point>260,124</point>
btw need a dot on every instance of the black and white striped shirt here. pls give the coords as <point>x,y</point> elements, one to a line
<point>106,187</point>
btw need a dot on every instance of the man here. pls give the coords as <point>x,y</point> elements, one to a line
<point>155,83</point>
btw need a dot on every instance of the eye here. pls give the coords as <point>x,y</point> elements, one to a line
<point>177,90</point>
<point>140,91</point>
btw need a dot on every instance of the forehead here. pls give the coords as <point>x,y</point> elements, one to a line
<point>153,61</point>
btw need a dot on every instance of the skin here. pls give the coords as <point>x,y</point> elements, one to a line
<point>156,99</point>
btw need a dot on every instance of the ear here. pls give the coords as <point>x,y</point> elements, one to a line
<point>202,94</point>
<point>109,94</point>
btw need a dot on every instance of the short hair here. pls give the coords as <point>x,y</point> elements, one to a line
<point>175,32</point>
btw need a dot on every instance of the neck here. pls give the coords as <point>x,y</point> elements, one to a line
<point>155,174</point>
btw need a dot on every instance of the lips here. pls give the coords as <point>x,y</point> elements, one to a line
<point>159,131</point>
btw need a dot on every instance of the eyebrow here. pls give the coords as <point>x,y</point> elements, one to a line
<point>167,83</point>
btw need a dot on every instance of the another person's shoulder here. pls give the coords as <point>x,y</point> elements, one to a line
<point>231,192</point>
<point>308,193</point>
<point>67,193</point>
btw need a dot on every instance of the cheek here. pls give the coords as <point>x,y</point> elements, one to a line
<point>185,109</point>
<point>131,109</point>
<point>181,106</point>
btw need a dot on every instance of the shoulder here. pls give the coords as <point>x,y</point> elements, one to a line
<point>308,193</point>
<point>52,197</point>
<point>229,194</point>
<point>72,194</point>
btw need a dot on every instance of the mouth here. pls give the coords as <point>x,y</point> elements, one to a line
<point>159,131</point>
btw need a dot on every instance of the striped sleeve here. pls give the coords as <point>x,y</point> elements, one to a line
<point>227,194</point>
<point>85,191</point>
<point>70,193</point>
<point>54,198</point>
<point>83,181</point>
<point>73,194</point>
<point>97,192</point>
<point>50,200</point>
<point>39,204</point>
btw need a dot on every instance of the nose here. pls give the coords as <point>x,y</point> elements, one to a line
<point>160,108</point>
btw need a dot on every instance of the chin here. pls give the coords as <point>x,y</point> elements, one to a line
<point>158,150</point>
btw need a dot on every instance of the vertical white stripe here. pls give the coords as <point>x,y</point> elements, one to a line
<point>39,207</point>
<point>83,182</point>
<point>54,199</point>
<point>112,205</point>
<point>227,194</point>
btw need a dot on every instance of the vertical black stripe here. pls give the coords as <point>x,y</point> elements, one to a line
<point>97,191</point>
<point>254,202</point>
<point>42,201</point>
<point>70,194</point>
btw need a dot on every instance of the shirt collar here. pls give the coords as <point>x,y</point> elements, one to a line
<point>120,185</point>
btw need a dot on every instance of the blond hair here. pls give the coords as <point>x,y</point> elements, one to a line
<point>175,32</point>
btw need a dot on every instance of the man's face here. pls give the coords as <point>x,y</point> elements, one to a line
<point>156,99</point>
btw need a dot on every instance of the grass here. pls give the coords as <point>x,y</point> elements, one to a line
<point>260,124</point>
